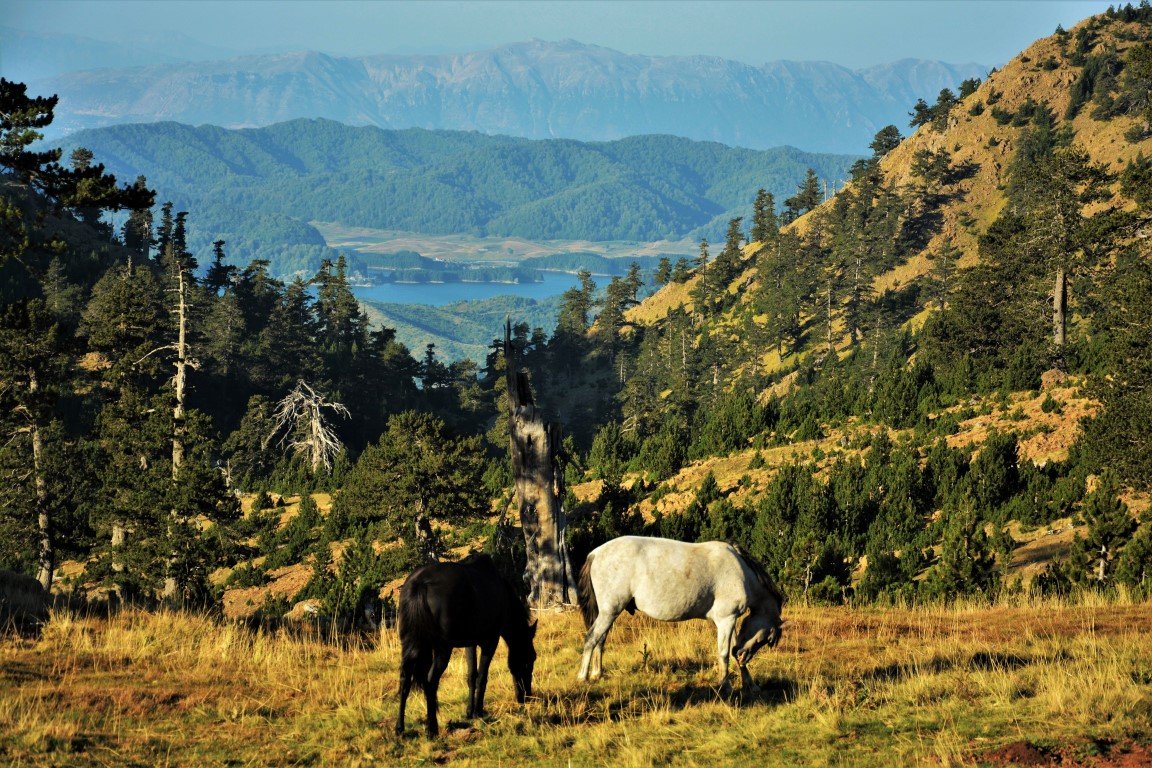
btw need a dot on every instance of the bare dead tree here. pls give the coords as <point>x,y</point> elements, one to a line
<point>182,362</point>
<point>301,425</point>
<point>536,467</point>
<point>45,551</point>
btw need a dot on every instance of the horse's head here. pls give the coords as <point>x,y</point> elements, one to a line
<point>758,630</point>
<point>521,660</point>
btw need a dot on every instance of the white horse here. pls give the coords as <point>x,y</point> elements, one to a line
<point>673,581</point>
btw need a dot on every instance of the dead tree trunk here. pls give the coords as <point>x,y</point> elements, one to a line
<point>179,382</point>
<point>46,553</point>
<point>831,346</point>
<point>536,468</point>
<point>1059,314</point>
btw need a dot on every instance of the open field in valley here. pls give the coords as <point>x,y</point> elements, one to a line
<point>1066,684</point>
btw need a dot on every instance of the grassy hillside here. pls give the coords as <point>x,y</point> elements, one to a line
<point>1040,683</point>
<point>982,134</point>
<point>802,392</point>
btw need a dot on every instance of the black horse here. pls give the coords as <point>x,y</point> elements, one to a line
<point>461,605</point>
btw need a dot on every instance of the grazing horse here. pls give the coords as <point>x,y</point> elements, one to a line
<point>673,581</point>
<point>461,605</point>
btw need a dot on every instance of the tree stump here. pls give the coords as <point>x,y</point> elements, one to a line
<point>536,467</point>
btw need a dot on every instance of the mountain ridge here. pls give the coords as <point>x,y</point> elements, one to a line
<point>534,89</point>
<point>643,188</point>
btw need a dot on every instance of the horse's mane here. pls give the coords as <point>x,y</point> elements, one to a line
<point>761,574</point>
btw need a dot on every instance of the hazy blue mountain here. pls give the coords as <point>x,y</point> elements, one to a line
<point>906,80</point>
<point>642,188</point>
<point>535,89</point>
<point>33,56</point>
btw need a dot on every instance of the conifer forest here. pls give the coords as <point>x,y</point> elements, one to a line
<point>920,398</point>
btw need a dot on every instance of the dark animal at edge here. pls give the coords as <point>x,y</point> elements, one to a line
<point>461,605</point>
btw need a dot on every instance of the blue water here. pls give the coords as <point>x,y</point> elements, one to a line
<point>439,294</point>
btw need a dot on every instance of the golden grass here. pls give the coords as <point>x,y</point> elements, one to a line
<point>845,687</point>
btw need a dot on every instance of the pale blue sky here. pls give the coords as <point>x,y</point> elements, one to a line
<point>851,33</point>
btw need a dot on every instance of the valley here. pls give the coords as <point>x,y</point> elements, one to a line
<point>908,385</point>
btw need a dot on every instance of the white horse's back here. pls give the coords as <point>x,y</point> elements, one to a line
<point>674,581</point>
<point>666,579</point>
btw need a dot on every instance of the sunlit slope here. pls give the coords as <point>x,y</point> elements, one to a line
<point>983,146</point>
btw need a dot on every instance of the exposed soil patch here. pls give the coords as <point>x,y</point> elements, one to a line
<point>1017,753</point>
<point>1090,755</point>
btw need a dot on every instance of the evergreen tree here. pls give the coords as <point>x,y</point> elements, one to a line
<point>1118,437</point>
<point>134,440</point>
<point>136,234</point>
<point>32,369</point>
<point>124,321</point>
<point>663,272</point>
<point>966,565</point>
<point>807,197</point>
<point>681,271</point>
<point>726,267</point>
<point>702,297</point>
<point>885,140</point>
<point>418,472</point>
<point>342,328</point>
<point>287,349</point>
<point>764,224</point>
<point>21,117</point>
<point>943,273</point>
<point>1134,568</point>
<point>573,321</point>
<point>220,273</point>
<point>248,462</point>
<point>1094,557</point>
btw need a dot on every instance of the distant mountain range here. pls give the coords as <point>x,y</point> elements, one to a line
<point>535,90</point>
<point>258,187</point>
<point>33,56</point>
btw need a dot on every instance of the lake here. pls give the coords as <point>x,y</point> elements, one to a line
<point>439,294</point>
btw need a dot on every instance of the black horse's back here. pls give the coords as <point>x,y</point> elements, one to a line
<point>461,605</point>
<point>456,604</point>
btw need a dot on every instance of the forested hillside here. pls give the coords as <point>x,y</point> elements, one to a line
<point>891,395</point>
<point>261,185</point>
<point>999,252</point>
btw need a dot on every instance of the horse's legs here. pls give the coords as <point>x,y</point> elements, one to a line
<point>470,655</point>
<point>440,658</point>
<point>486,655</point>
<point>746,681</point>
<point>412,666</point>
<point>725,629</point>
<point>593,643</point>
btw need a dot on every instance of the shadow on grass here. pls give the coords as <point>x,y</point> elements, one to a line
<point>980,661</point>
<point>595,704</point>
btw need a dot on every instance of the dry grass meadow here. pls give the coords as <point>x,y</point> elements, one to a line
<point>963,685</point>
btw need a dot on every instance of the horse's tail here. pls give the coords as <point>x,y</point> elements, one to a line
<point>586,595</point>
<point>414,618</point>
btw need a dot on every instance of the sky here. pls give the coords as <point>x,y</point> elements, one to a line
<point>852,33</point>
